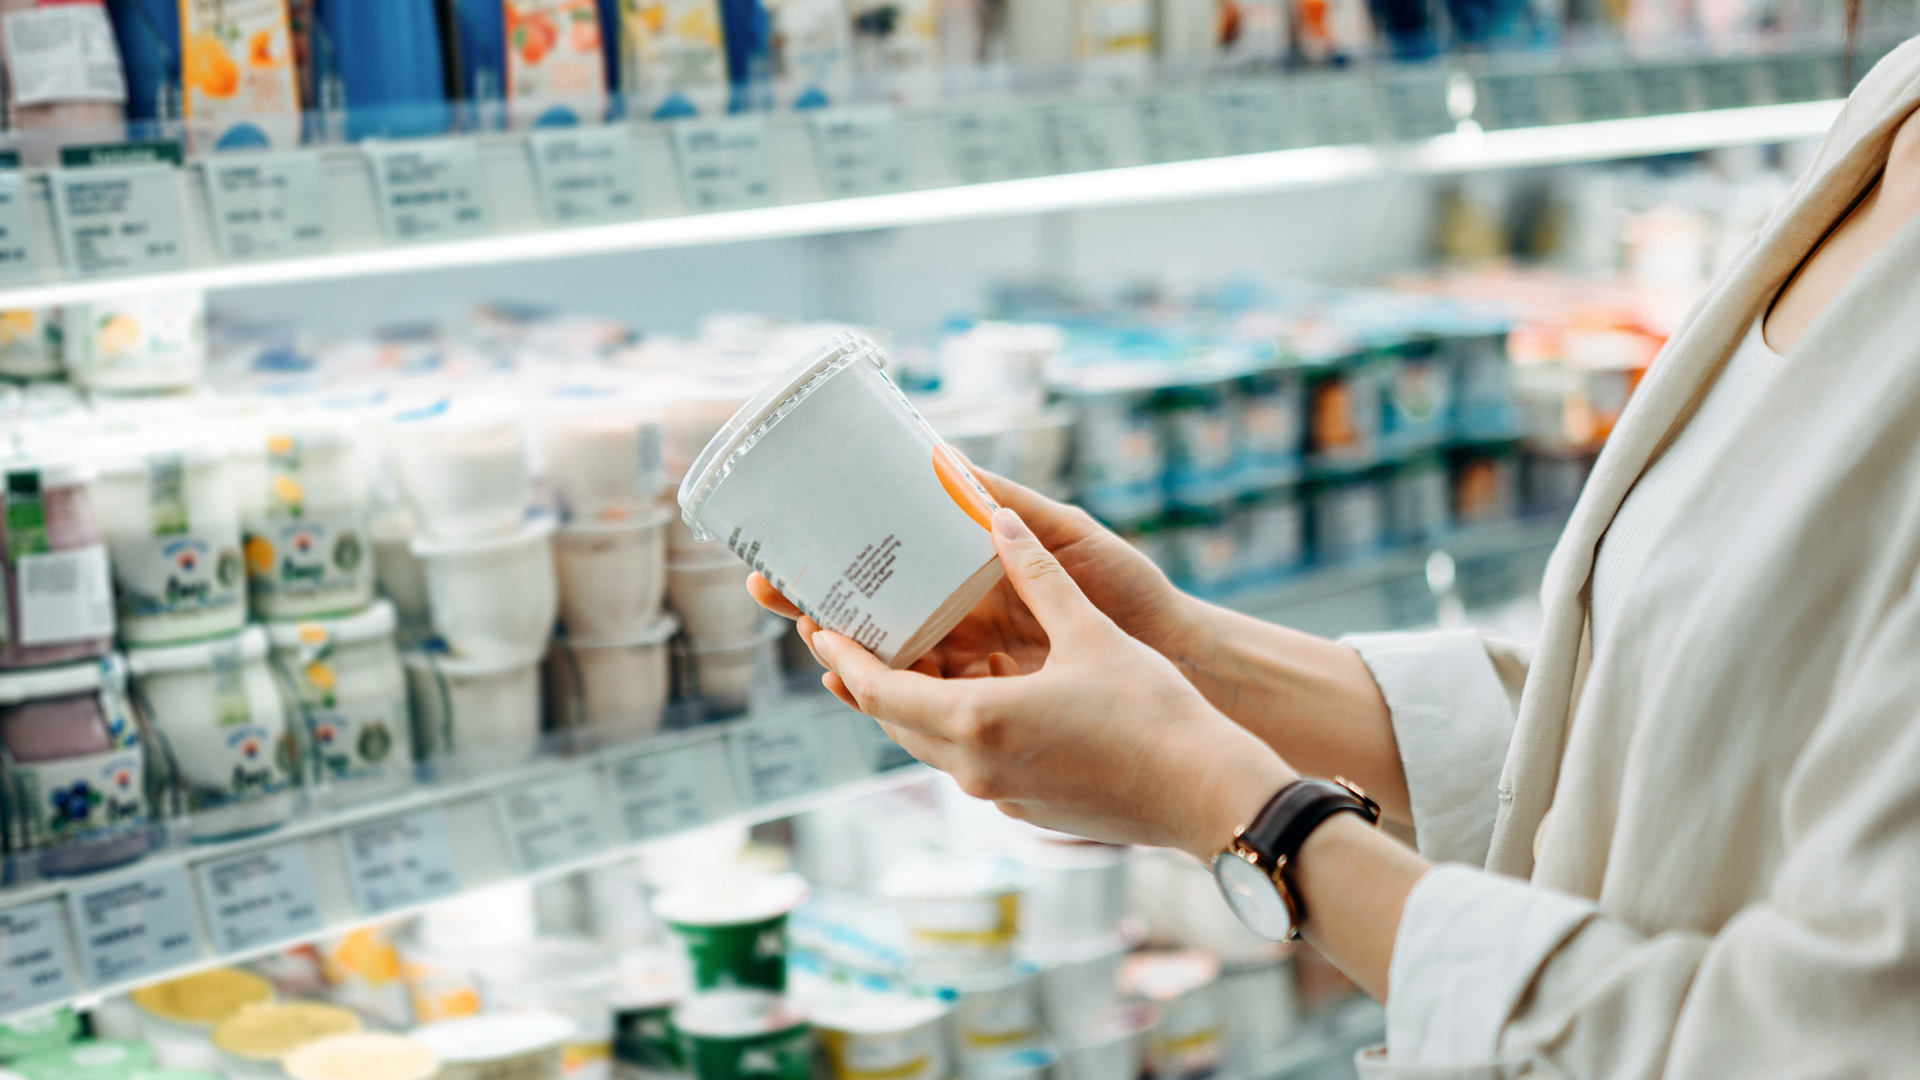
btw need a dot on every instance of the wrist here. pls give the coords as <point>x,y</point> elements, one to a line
<point>1245,773</point>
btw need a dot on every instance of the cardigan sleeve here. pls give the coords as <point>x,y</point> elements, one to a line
<point>1452,695</point>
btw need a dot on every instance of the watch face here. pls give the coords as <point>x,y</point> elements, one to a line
<point>1254,898</point>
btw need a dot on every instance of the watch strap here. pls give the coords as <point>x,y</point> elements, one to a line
<point>1276,833</point>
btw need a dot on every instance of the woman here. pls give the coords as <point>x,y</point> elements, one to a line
<point>1679,839</point>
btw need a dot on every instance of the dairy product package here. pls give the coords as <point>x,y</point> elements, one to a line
<point>813,53</point>
<point>556,74</point>
<point>896,46</point>
<point>238,78</point>
<point>672,62</point>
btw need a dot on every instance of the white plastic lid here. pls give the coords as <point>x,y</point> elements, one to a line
<point>55,472</point>
<point>374,621</point>
<point>760,413</point>
<point>197,654</point>
<point>736,1013</point>
<point>454,667</point>
<point>367,1055</point>
<point>315,432</point>
<point>878,1014</point>
<point>534,530</point>
<point>451,415</point>
<point>656,634</point>
<point>495,1036</point>
<point>733,900</point>
<point>21,686</point>
<point>949,877</point>
<point>771,629</point>
<point>130,452</point>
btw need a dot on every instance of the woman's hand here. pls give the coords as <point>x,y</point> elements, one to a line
<point>1105,739</point>
<point>1120,581</point>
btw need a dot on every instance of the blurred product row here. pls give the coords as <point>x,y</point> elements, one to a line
<point>927,940</point>
<point>256,74</point>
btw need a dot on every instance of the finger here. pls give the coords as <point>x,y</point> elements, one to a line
<point>1050,593</point>
<point>1041,514</point>
<point>808,628</point>
<point>838,689</point>
<point>926,666</point>
<point>770,598</point>
<point>907,698</point>
<point>1000,665</point>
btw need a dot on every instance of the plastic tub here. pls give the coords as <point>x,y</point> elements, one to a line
<point>1079,982</point>
<point>500,1046</point>
<point>136,344</point>
<point>353,695</point>
<point>612,577</point>
<point>253,1041</point>
<point>171,519</point>
<point>570,979</point>
<point>1188,1040</point>
<point>484,714</point>
<point>603,454</point>
<point>364,1056</point>
<point>830,468</point>
<point>710,595</point>
<point>177,1017</point>
<point>1111,1046</point>
<point>303,504</point>
<point>995,1011</point>
<point>29,343</point>
<point>220,709</point>
<point>1263,1009</point>
<point>59,590</point>
<point>960,913</point>
<point>98,1060</point>
<point>1077,892</point>
<point>401,577</point>
<point>75,756</point>
<point>883,1037</point>
<point>735,929</point>
<point>733,677</point>
<point>744,1035</point>
<point>614,688</point>
<point>492,599</point>
<point>463,468</point>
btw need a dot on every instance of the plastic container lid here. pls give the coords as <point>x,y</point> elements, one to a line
<point>758,416</point>
<point>494,1037</point>
<point>198,654</point>
<point>733,901</point>
<point>21,686</point>
<point>271,1032</point>
<point>878,1014</point>
<point>926,878</point>
<point>23,1035</point>
<point>735,1014</point>
<point>130,453</point>
<point>55,472</point>
<point>772,628</point>
<point>102,1060</point>
<point>450,415</point>
<point>362,1056</point>
<point>532,531</point>
<point>205,998</point>
<point>458,668</point>
<point>370,623</point>
<point>657,634</point>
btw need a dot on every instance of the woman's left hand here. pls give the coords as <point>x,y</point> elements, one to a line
<point>1105,740</point>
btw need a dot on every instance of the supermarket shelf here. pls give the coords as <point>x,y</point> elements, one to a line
<point>189,908</point>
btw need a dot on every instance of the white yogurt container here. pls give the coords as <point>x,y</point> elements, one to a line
<point>960,913</point>
<point>353,695</point>
<point>882,1037</point>
<point>733,677</point>
<point>172,522</point>
<point>463,468</point>
<point>612,688</point>
<point>1111,1046</point>
<point>1079,983</point>
<point>710,594</point>
<point>612,576</point>
<point>1077,892</point>
<point>1188,1038</point>
<point>135,344</point>
<point>485,714</point>
<point>399,573</point>
<point>996,1011</point>
<point>572,979</point>
<point>219,708</point>
<point>833,488</point>
<point>29,343</point>
<point>303,505</point>
<point>500,1046</point>
<point>493,598</point>
<point>602,448</point>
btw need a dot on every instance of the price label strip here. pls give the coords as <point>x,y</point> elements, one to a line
<point>989,144</point>
<point>1077,138</point>
<point>655,794</point>
<point>1662,89</point>
<point>1415,106</point>
<point>18,259</point>
<point>1171,128</point>
<point>1725,84</point>
<point>859,152</point>
<point>1795,77</point>
<point>723,164</point>
<point>777,760</point>
<point>551,821</point>
<point>135,925</point>
<point>1512,101</point>
<point>397,862</point>
<point>34,965</point>
<point>259,898</point>
<point>428,190</point>
<point>1332,110</point>
<point>120,219</point>
<point>1249,119</point>
<point>1599,94</point>
<point>267,205</point>
<point>586,176</point>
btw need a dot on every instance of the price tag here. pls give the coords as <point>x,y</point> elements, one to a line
<point>428,190</point>
<point>988,144</point>
<point>1662,89</point>
<point>585,175</point>
<point>1171,129</point>
<point>135,925</point>
<point>777,759</point>
<point>1794,78</point>
<point>1599,94</point>
<point>551,821</point>
<point>259,898</point>
<point>121,219</point>
<point>1415,107</point>
<point>1333,111</point>
<point>1249,119</point>
<point>859,151</point>
<point>1724,84</point>
<point>1077,138</point>
<point>724,164</point>
<point>655,794</point>
<point>396,862</point>
<point>34,965</point>
<point>17,256</point>
<point>267,205</point>
<point>1511,101</point>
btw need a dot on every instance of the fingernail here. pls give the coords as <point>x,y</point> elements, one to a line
<point>819,645</point>
<point>1008,524</point>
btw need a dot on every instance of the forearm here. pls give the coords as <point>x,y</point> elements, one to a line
<point>1312,700</point>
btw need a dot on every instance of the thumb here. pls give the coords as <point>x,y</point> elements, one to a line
<point>1049,591</point>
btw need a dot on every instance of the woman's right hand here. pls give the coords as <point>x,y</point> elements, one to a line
<point>1123,583</point>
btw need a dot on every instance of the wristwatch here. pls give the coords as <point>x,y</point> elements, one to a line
<point>1252,871</point>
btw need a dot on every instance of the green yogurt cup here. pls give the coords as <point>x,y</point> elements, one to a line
<point>105,1059</point>
<point>744,1035</point>
<point>28,1035</point>
<point>735,930</point>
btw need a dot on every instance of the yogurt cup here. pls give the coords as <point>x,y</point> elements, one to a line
<point>1112,1046</point>
<point>744,1035</point>
<point>612,576</point>
<point>399,573</point>
<point>74,755</point>
<point>253,1041</point>
<point>572,979</point>
<point>97,1060</point>
<point>612,688</point>
<point>1077,892</point>
<point>363,1056</point>
<point>136,344</point>
<point>602,447</point>
<point>995,1011</point>
<point>832,487</point>
<point>463,468</point>
<point>303,505</point>
<point>735,929</point>
<point>21,1036</point>
<point>350,688</point>
<point>883,1037</point>
<point>643,1035</point>
<point>482,714</point>
<point>730,678</point>
<point>30,343</point>
<point>959,913</point>
<point>220,709</point>
<point>495,598</point>
<point>1262,1007</point>
<point>177,1017</point>
<point>1079,983</point>
<point>1188,1038</point>
<point>499,1046</point>
<point>710,595</point>
<point>171,517</point>
<point>52,538</point>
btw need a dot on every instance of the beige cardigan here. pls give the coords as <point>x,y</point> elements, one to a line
<point>1728,883</point>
